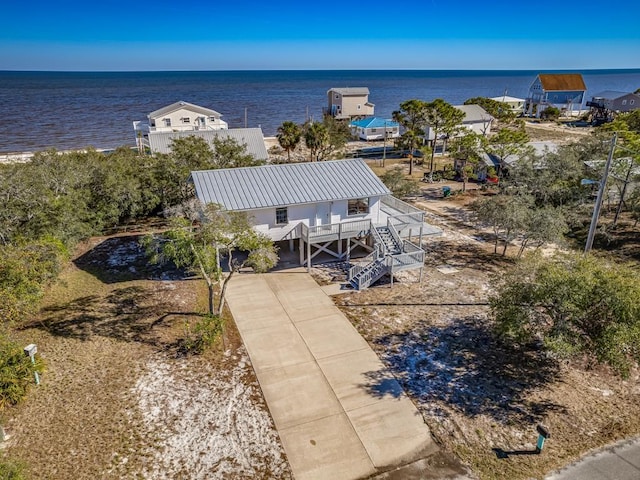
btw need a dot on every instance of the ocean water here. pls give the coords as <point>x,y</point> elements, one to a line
<point>67,110</point>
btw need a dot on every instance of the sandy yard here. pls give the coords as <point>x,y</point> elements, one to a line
<point>483,399</point>
<point>119,399</point>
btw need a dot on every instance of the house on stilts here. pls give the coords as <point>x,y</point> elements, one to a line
<point>338,208</point>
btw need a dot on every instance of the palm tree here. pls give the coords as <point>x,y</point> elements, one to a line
<point>317,140</point>
<point>289,135</point>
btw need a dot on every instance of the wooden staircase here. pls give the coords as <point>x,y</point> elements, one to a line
<point>390,254</point>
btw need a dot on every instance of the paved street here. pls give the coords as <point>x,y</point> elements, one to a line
<point>619,462</point>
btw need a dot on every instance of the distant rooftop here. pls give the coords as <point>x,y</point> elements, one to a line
<point>561,82</point>
<point>374,122</point>
<point>610,94</point>
<point>160,142</point>
<point>351,91</point>
<point>474,113</point>
<point>178,105</point>
<point>507,98</point>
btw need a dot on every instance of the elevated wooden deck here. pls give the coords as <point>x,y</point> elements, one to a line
<point>391,252</point>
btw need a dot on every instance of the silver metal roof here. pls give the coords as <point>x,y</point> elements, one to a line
<point>507,98</point>
<point>474,113</point>
<point>178,105</point>
<point>351,91</point>
<point>160,142</point>
<point>288,184</point>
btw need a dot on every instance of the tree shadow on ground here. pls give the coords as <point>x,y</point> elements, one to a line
<point>132,314</point>
<point>463,366</point>
<point>464,255</point>
<point>122,259</point>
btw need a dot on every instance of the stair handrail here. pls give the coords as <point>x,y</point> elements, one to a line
<point>377,239</point>
<point>394,234</point>
<point>368,276</point>
<point>369,259</point>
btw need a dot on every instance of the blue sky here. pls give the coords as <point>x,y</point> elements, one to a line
<point>276,34</point>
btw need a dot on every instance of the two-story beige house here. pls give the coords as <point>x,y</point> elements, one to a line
<point>349,103</point>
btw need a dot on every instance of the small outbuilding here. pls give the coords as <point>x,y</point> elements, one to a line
<point>375,128</point>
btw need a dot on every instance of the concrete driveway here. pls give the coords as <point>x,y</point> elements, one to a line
<point>340,414</point>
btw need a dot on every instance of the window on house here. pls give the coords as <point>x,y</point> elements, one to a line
<point>373,130</point>
<point>167,122</point>
<point>358,206</point>
<point>282,216</point>
<point>624,102</point>
<point>359,106</point>
<point>631,102</point>
<point>186,120</point>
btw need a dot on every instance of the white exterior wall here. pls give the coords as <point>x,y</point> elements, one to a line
<point>264,220</point>
<point>178,124</point>
<point>516,107</point>
<point>481,128</point>
<point>377,133</point>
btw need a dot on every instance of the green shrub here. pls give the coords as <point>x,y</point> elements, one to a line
<point>550,113</point>
<point>16,373</point>
<point>203,334</point>
<point>10,470</point>
<point>576,305</point>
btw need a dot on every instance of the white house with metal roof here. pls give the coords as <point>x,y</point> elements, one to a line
<point>178,117</point>
<point>330,207</point>
<point>348,103</point>
<point>181,116</point>
<point>515,104</point>
<point>476,119</point>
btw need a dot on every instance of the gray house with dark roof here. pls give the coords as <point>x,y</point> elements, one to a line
<point>615,101</point>
<point>330,207</point>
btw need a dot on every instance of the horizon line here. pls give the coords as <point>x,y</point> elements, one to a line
<point>335,70</point>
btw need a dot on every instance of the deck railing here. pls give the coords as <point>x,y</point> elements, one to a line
<point>398,205</point>
<point>406,260</point>
<point>410,247</point>
<point>407,219</point>
<point>336,231</point>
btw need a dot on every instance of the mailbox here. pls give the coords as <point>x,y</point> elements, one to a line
<point>30,350</point>
<point>543,434</point>
<point>544,431</point>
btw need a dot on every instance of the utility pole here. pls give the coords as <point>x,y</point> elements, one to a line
<point>245,117</point>
<point>598,205</point>
<point>384,148</point>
